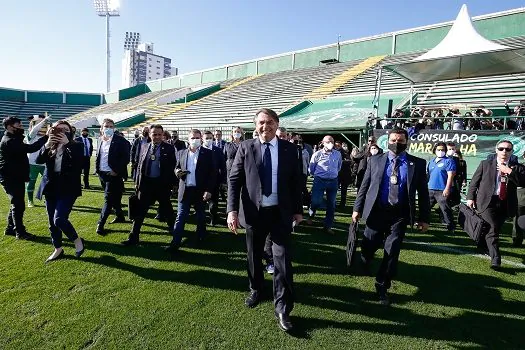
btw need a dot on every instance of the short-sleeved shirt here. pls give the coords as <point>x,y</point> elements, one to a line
<point>438,172</point>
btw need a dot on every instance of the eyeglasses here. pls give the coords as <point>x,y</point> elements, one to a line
<point>501,149</point>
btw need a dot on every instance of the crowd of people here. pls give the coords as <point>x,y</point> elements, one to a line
<point>266,181</point>
<point>450,118</point>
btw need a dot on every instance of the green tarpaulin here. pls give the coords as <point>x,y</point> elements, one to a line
<point>349,113</point>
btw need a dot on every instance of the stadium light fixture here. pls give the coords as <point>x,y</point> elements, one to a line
<point>107,8</point>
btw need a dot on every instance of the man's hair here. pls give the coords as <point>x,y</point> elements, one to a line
<point>9,121</point>
<point>437,144</point>
<point>219,131</point>
<point>167,134</point>
<point>269,112</point>
<point>282,129</point>
<point>174,131</point>
<point>195,131</point>
<point>399,131</point>
<point>451,144</point>
<point>107,120</point>
<point>85,129</point>
<point>66,123</point>
<point>504,141</point>
<point>156,126</point>
<point>207,132</point>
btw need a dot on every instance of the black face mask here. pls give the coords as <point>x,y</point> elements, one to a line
<point>18,132</point>
<point>68,135</point>
<point>85,135</point>
<point>397,148</point>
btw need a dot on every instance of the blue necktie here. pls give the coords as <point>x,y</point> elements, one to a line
<point>266,173</point>
<point>86,147</point>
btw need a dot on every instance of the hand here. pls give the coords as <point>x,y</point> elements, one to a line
<point>206,196</point>
<point>62,139</point>
<point>233,221</point>
<point>504,169</point>
<point>179,173</point>
<point>112,173</point>
<point>51,141</point>
<point>471,204</point>
<point>446,192</point>
<point>423,226</point>
<point>355,216</point>
<point>297,218</point>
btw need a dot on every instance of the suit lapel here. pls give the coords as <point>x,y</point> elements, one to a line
<point>492,174</point>
<point>257,155</point>
<point>184,159</point>
<point>411,166</point>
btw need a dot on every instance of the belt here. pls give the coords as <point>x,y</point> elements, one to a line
<point>323,179</point>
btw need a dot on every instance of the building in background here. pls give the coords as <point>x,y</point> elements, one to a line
<point>140,64</point>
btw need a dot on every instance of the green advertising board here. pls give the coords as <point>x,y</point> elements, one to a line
<point>475,145</point>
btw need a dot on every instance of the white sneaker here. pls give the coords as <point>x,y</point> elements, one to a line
<point>30,204</point>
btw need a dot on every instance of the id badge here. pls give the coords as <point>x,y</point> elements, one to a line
<point>393,179</point>
<point>503,179</point>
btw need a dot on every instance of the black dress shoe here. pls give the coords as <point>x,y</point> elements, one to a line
<point>172,248</point>
<point>118,220</point>
<point>383,295</point>
<point>79,253</point>
<point>284,322</point>
<point>495,265</point>
<point>87,187</point>
<point>160,218</point>
<point>9,231</point>
<point>25,236</point>
<point>517,243</point>
<point>130,242</point>
<point>253,299</point>
<point>100,230</point>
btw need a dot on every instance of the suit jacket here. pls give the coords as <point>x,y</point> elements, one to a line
<point>90,141</point>
<point>118,157</point>
<point>203,170</point>
<point>14,164</point>
<point>483,182</point>
<point>67,182</point>
<point>136,151</point>
<point>244,183</point>
<point>219,163</point>
<point>369,192</point>
<point>167,167</point>
<point>223,143</point>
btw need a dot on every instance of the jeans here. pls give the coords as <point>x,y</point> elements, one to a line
<point>34,171</point>
<point>16,195</point>
<point>436,196</point>
<point>320,186</point>
<point>58,210</point>
<point>183,210</point>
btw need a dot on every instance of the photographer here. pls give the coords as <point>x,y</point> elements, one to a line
<point>519,111</point>
<point>14,173</point>
<point>60,185</point>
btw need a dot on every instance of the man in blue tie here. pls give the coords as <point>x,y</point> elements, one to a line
<point>387,201</point>
<point>87,142</point>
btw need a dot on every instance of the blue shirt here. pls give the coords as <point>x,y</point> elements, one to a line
<point>402,178</point>
<point>154,170</point>
<point>438,172</point>
<point>326,165</point>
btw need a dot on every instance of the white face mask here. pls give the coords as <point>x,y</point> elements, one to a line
<point>194,143</point>
<point>440,154</point>
<point>208,143</point>
<point>237,135</point>
<point>374,151</point>
<point>451,152</point>
<point>329,146</point>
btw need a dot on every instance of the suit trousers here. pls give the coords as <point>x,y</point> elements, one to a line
<point>213,204</point>
<point>193,198</point>
<point>16,193</point>
<point>270,223</point>
<point>113,188</point>
<point>436,196</point>
<point>517,232</point>
<point>495,216</point>
<point>389,223</point>
<point>58,209</point>
<point>86,165</point>
<point>344,183</point>
<point>152,191</point>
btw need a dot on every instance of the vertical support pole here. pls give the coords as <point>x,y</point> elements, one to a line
<point>108,73</point>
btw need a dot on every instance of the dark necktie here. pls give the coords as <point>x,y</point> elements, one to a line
<point>502,187</point>
<point>86,149</point>
<point>266,173</point>
<point>393,189</point>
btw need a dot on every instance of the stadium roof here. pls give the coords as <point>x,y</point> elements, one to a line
<point>463,53</point>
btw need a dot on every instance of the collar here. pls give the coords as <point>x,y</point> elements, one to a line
<point>196,150</point>
<point>273,141</point>
<point>402,156</point>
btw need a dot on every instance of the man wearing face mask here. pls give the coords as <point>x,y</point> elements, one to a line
<point>87,142</point>
<point>219,165</point>
<point>230,149</point>
<point>176,142</point>
<point>194,169</point>
<point>441,171</point>
<point>139,145</point>
<point>112,168</point>
<point>325,165</point>
<point>14,173</point>
<point>387,202</point>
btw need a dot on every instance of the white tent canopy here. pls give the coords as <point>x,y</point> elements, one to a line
<point>463,53</point>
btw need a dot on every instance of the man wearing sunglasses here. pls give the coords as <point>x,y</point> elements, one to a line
<point>492,192</point>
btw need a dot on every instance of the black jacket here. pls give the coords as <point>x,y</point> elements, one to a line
<point>67,182</point>
<point>14,165</point>
<point>136,150</point>
<point>203,171</point>
<point>219,164</point>
<point>167,167</point>
<point>90,144</point>
<point>118,157</point>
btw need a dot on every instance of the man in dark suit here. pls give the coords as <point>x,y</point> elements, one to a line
<point>492,191</point>
<point>176,142</point>
<point>87,142</point>
<point>112,168</point>
<point>139,144</point>
<point>155,176</point>
<point>387,201</point>
<point>194,169</point>
<point>264,196</point>
<point>219,162</point>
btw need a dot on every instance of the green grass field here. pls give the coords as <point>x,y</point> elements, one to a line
<point>136,298</point>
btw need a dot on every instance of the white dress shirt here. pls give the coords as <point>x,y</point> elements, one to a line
<point>104,152</point>
<point>498,179</point>
<point>58,159</point>
<point>191,166</point>
<point>272,199</point>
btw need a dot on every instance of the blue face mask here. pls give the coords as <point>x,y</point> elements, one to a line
<point>109,132</point>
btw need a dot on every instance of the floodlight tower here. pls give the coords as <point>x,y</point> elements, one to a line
<point>107,8</point>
